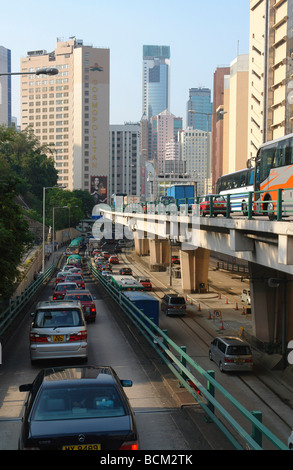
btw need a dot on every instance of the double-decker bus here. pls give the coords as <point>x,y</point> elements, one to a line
<point>238,184</point>
<point>274,171</point>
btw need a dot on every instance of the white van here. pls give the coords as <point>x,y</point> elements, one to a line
<point>245,296</point>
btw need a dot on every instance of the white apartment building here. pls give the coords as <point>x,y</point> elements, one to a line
<point>70,111</point>
<point>195,151</point>
<point>125,170</point>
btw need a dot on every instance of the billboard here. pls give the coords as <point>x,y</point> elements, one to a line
<point>99,185</point>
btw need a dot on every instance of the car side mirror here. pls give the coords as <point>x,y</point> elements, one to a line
<point>126,383</point>
<point>25,388</point>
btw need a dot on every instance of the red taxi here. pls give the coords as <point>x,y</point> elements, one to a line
<point>87,302</point>
<point>219,205</point>
<point>78,278</point>
<point>62,288</point>
<point>146,283</point>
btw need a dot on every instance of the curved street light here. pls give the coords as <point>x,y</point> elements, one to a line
<point>43,71</point>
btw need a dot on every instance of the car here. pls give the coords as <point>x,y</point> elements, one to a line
<point>125,271</point>
<point>173,304</point>
<point>74,277</point>
<point>58,330</point>
<point>145,282</point>
<point>87,302</point>
<point>106,254</point>
<point>245,296</point>
<point>219,205</point>
<point>74,270</point>
<point>61,288</point>
<point>78,408</point>
<point>175,259</point>
<point>231,353</point>
<point>290,441</point>
<point>67,268</point>
<point>114,259</point>
<point>61,276</point>
<point>106,275</point>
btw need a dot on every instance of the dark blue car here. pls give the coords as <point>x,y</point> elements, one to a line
<point>78,408</point>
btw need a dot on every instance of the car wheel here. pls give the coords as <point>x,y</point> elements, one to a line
<point>210,355</point>
<point>221,367</point>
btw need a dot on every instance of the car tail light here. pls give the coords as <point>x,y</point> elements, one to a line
<point>35,338</point>
<point>129,445</point>
<point>81,336</point>
<point>228,359</point>
<point>93,309</point>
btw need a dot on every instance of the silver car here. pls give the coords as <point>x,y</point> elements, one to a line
<point>231,354</point>
<point>58,330</point>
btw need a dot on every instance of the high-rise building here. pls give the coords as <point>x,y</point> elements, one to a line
<point>270,71</point>
<point>156,80</point>
<point>70,112</point>
<point>195,151</point>
<point>5,86</point>
<point>165,129</point>
<point>125,171</point>
<point>200,104</point>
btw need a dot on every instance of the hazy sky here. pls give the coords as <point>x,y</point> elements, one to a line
<point>202,35</point>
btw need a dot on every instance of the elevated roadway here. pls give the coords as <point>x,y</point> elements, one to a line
<point>266,245</point>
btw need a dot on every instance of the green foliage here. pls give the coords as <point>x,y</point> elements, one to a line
<point>15,237</point>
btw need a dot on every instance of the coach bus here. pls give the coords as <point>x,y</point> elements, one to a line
<point>274,171</point>
<point>238,184</point>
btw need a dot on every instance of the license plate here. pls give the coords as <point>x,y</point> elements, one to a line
<point>58,338</point>
<point>83,447</point>
<point>239,361</point>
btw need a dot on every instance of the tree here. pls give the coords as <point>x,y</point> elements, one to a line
<point>15,237</point>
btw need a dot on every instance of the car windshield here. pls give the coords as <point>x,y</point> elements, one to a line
<point>78,403</point>
<point>177,300</point>
<point>56,318</point>
<point>242,350</point>
<point>74,277</point>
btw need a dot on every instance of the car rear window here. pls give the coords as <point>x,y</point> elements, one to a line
<point>84,297</point>
<point>78,403</point>
<point>57,318</point>
<point>242,350</point>
<point>177,300</point>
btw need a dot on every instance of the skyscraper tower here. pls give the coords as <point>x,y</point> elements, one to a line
<point>200,103</point>
<point>156,80</point>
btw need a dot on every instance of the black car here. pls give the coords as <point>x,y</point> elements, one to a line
<point>78,408</point>
<point>125,271</point>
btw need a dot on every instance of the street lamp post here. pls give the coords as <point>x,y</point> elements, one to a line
<point>44,216</point>
<point>43,71</point>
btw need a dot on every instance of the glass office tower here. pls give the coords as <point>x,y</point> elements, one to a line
<point>200,103</point>
<point>156,81</point>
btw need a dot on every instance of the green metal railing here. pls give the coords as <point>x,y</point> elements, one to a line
<point>191,375</point>
<point>276,205</point>
<point>9,314</point>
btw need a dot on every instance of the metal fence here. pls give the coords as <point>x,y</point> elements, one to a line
<point>201,384</point>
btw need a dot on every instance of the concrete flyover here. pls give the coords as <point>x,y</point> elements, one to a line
<point>266,245</point>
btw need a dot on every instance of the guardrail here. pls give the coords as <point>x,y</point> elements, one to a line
<point>187,371</point>
<point>8,315</point>
<point>270,203</point>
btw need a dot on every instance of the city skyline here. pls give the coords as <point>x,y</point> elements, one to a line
<point>217,33</point>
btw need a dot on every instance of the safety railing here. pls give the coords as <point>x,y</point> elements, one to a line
<point>274,203</point>
<point>201,384</point>
<point>10,313</point>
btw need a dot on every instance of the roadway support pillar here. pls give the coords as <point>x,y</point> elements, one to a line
<point>141,246</point>
<point>159,254</point>
<point>194,269</point>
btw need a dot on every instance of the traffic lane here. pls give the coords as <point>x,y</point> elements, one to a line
<point>162,424</point>
<point>155,410</point>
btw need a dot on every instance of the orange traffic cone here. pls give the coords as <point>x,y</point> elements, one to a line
<point>199,309</point>
<point>236,308</point>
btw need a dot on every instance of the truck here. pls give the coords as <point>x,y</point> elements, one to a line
<point>145,302</point>
<point>182,193</point>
